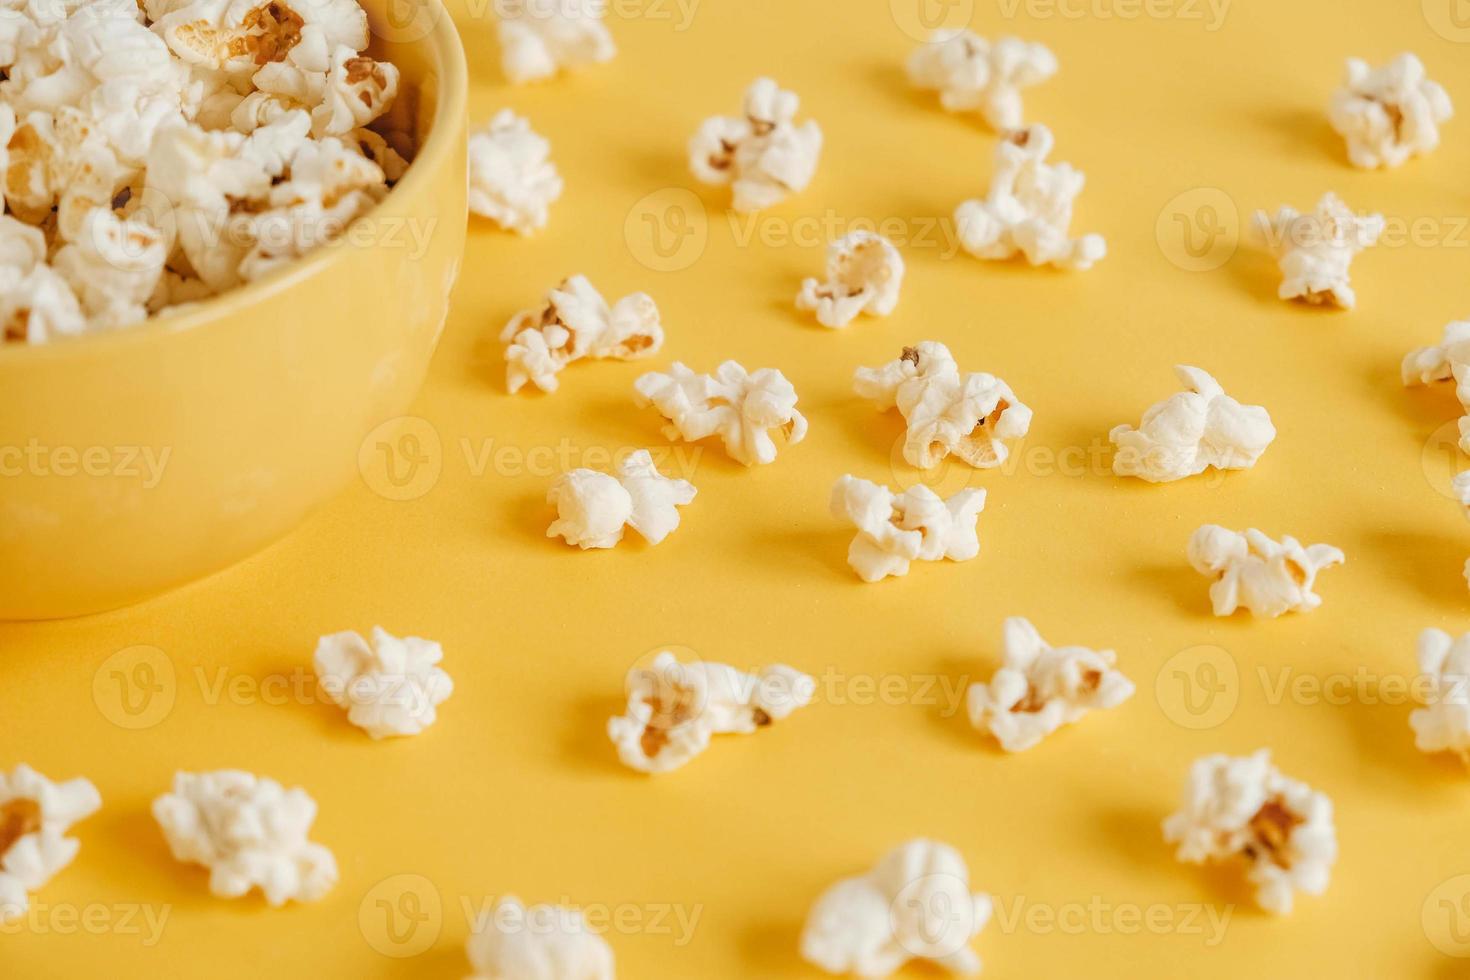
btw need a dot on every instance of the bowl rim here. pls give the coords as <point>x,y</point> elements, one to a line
<point>451,104</point>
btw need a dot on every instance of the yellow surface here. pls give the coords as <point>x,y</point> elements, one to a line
<point>516,789</point>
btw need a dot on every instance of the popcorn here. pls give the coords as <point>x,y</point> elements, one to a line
<point>36,303</point>
<point>740,407</point>
<point>538,38</point>
<point>1029,208</point>
<point>763,154</point>
<point>1315,251</point>
<point>914,905</point>
<point>1443,724</point>
<point>1245,806</point>
<point>864,273</point>
<point>970,73</point>
<point>35,815</point>
<point>1189,432</point>
<point>113,267</point>
<point>1461,488</point>
<point>543,942</point>
<point>249,832</point>
<point>1041,688</point>
<point>593,508</point>
<point>969,416</point>
<point>512,180</point>
<point>240,35</point>
<point>896,529</point>
<point>674,708</point>
<point>1251,570</point>
<point>577,323</point>
<point>389,686</point>
<point>1449,360</point>
<point>1388,114</point>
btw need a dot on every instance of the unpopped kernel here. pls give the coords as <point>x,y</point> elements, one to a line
<point>762,153</point>
<point>915,904</point>
<point>675,708</point>
<point>250,832</point>
<point>742,407</point>
<point>35,815</point>
<point>539,38</point>
<point>947,413</point>
<point>593,508</point>
<point>1388,114</point>
<point>896,529</point>
<point>1449,360</point>
<point>512,179</point>
<point>1191,431</point>
<point>1443,723</point>
<point>972,74</point>
<point>543,942</point>
<point>1028,210</point>
<point>1040,688</point>
<point>389,686</point>
<point>1316,251</point>
<point>574,323</point>
<point>1252,571</point>
<point>864,274</point>
<point>1244,807</point>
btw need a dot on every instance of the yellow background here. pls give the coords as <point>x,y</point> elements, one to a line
<point>516,789</point>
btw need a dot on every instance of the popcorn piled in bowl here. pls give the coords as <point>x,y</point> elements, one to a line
<point>158,153</point>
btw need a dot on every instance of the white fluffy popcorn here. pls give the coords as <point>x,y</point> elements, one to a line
<point>1189,432</point>
<point>947,413</point>
<point>35,815</point>
<point>574,323</point>
<point>593,508</point>
<point>915,904</point>
<point>539,38</point>
<point>250,832</point>
<point>1443,723</point>
<point>389,686</point>
<point>1449,360</point>
<point>864,274</point>
<point>1028,210</point>
<point>762,153</point>
<point>896,529</point>
<point>1316,251</point>
<point>1040,688</point>
<point>1388,114</point>
<point>973,74</point>
<point>1243,806</point>
<point>512,179</point>
<point>741,407</point>
<point>1252,571</point>
<point>1461,489</point>
<point>542,942</point>
<point>675,708</point>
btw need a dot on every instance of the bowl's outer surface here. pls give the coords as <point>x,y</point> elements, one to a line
<point>134,462</point>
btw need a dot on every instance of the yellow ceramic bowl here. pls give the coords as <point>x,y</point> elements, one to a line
<point>135,461</point>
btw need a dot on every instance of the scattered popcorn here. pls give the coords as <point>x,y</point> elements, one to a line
<point>1315,251</point>
<point>896,529</point>
<point>1448,361</point>
<point>250,832</point>
<point>1041,688</point>
<point>593,508</point>
<point>1245,806</point>
<point>1189,432</point>
<point>864,273</point>
<point>1461,488</point>
<point>543,942</point>
<point>389,686</point>
<point>539,38</point>
<point>512,179</point>
<point>1388,114</point>
<point>179,148</point>
<point>914,905</point>
<point>674,708</point>
<point>574,323</point>
<point>740,407</point>
<point>969,415</point>
<point>763,154</point>
<point>1029,208</point>
<point>35,815</point>
<point>1443,724</point>
<point>1251,570</point>
<point>970,73</point>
